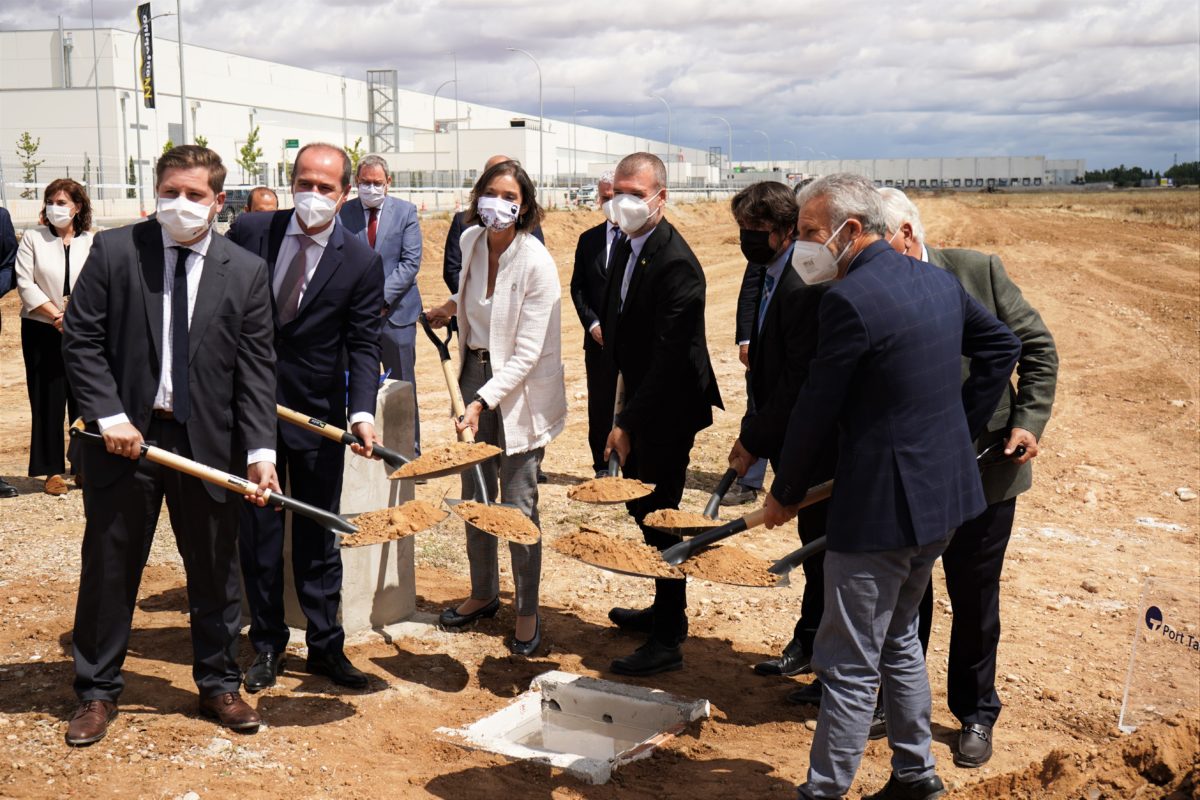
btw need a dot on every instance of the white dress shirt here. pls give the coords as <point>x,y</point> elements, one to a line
<point>164,395</point>
<point>476,304</point>
<point>636,244</point>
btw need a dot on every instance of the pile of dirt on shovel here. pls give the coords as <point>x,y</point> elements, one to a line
<point>445,457</point>
<point>500,521</point>
<point>729,564</point>
<point>613,551</point>
<point>609,490</point>
<point>389,524</point>
<point>673,519</point>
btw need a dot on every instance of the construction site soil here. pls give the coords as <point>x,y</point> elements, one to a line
<point>1116,277</point>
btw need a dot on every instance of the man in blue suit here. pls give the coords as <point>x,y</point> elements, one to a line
<point>389,226</point>
<point>892,333</point>
<point>327,291</point>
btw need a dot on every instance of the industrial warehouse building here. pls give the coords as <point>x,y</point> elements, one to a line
<point>98,131</point>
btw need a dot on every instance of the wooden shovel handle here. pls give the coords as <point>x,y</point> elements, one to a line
<point>202,471</point>
<point>456,401</point>
<point>317,426</point>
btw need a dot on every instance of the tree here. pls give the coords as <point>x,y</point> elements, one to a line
<point>1119,176</point>
<point>131,178</point>
<point>168,145</point>
<point>356,153</point>
<point>202,141</point>
<point>27,148</point>
<point>249,155</point>
<point>1185,173</point>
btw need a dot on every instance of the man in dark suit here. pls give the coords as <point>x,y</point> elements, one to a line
<point>389,226</point>
<point>747,487</point>
<point>975,558</point>
<point>892,333</point>
<point>452,257</point>
<point>327,287</point>
<point>653,324</point>
<point>782,339</point>
<point>8,258</point>
<point>588,280</point>
<point>168,336</point>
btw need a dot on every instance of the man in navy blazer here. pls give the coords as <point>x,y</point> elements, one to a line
<point>389,226</point>
<point>887,374</point>
<point>327,291</point>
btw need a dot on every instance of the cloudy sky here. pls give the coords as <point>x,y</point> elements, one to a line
<point>1112,82</point>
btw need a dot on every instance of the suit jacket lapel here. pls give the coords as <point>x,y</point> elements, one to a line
<point>656,240</point>
<point>328,264</point>
<point>275,233</point>
<point>150,258</point>
<point>208,293</point>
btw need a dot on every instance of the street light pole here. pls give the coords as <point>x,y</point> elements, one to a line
<point>96,85</point>
<point>541,118</point>
<point>730,128</point>
<point>770,166</point>
<point>457,122</point>
<point>182,91</point>
<point>670,157</point>
<point>436,194</point>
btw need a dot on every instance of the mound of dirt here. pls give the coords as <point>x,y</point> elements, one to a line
<point>609,490</point>
<point>500,521</point>
<point>1161,761</point>
<point>729,564</point>
<point>445,458</point>
<point>670,519</point>
<point>614,552</point>
<point>389,524</point>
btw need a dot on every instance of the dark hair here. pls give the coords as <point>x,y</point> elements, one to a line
<point>190,156</point>
<point>78,195</point>
<point>346,165</point>
<point>636,162</point>
<point>531,212</point>
<point>258,191</point>
<point>769,203</point>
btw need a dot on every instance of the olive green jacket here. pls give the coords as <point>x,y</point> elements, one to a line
<point>1028,405</point>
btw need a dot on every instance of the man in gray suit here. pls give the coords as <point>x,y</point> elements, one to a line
<point>389,226</point>
<point>975,557</point>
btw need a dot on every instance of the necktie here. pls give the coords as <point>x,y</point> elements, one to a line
<point>768,285</point>
<point>181,403</point>
<point>622,261</point>
<point>287,301</point>
<point>372,226</point>
<point>617,239</point>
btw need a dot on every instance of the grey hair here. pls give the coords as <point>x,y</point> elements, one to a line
<point>898,209</point>
<point>606,177</point>
<point>371,161</point>
<point>848,195</point>
<point>636,162</point>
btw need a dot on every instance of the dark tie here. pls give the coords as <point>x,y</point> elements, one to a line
<point>617,239</point>
<point>768,285</point>
<point>287,302</point>
<point>181,403</point>
<point>373,226</point>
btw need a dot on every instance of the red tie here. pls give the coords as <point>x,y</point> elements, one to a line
<point>372,226</point>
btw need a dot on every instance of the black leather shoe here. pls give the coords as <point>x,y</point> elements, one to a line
<point>649,659</point>
<point>337,668</point>
<point>878,724</point>
<point>450,618</point>
<point>520,648</point>
<point>633,620</point>
<point>807,695</point>
<point>974,746</point>
<point>930,788</point>
<point>542,477</point>
<point>7,489</point>
<point>262,672</point>
<point>794,661</point>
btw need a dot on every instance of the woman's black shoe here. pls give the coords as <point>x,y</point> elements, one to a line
<point>519,648</point>
<point>450,618</point>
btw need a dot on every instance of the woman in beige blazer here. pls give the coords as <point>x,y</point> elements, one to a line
<point>48,262</point>
<point>508,307</point>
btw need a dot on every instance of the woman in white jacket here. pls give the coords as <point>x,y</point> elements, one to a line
<point>510,347</point>
<point>48,262</point>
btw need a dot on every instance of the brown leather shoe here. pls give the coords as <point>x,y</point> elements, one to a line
<point>231,711</point>
<point>90,722</point>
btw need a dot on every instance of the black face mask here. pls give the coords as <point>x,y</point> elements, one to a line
<point>756,247</point>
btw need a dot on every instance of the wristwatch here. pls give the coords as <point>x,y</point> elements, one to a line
<point>482,402</point>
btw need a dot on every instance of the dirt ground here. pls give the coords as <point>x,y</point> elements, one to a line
<point>1117,278</point>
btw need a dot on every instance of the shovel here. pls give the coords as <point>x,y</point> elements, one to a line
<point>612,488</point>
<point>678,553</point>
<point>690,527</point>
<point>503,510</point>
<point>231,482</point>
<point>390,457</point>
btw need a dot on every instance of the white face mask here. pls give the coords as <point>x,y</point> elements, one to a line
<point>314,209</point>
<point>814,262</point>
<point>609,215</point>
<point>183,219</point>
<point>60,216</point>
<point>630,213</point>
<point>496,213</point>
<point>371,196</point>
